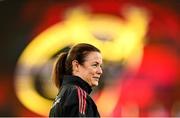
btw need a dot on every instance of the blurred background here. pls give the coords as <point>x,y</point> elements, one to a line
<point>139,40</point>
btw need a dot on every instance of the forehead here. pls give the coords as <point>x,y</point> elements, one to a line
<point>94,57</point>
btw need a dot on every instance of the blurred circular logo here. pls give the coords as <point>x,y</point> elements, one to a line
<point>119,40</point>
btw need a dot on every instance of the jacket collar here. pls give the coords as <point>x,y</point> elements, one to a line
<point>69,79</point>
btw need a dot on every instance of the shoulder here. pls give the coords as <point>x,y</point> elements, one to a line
<point>82,100</point>
<point>70,89</point>
<point>74,93</point>
<point>81,92</point>
<point>74,89</point>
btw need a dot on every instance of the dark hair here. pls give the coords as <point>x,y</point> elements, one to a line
<point>63,64</point>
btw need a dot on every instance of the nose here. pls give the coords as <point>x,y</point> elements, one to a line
<point>99,71</point>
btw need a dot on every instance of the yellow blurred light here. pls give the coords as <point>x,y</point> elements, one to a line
<point>29,96</point>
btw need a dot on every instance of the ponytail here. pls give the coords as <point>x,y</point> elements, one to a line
<point>59,69</point>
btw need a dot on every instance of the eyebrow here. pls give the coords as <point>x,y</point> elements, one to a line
<point>97,63</point>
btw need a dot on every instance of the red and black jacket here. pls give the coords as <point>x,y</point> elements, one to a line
<point>73,99</point>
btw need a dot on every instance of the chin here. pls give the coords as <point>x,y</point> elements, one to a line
<point>95,84</point>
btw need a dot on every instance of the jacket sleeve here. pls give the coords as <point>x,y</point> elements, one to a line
<point>75,103</point>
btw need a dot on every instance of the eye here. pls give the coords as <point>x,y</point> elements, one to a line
<point>94,65</point>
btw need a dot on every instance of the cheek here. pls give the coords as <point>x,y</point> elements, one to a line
<point>92,69</point>
<point>89,74</point>
<point>92,72</point>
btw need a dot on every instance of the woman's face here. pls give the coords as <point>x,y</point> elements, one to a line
<point>91,69</point>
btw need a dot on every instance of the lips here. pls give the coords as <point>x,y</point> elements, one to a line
<point>97,78</point>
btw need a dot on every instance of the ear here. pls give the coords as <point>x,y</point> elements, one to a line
<point>75,65</point>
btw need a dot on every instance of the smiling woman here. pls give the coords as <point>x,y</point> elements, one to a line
<point>74,73</point>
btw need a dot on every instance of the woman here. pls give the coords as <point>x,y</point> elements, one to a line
<point>75,73</point>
